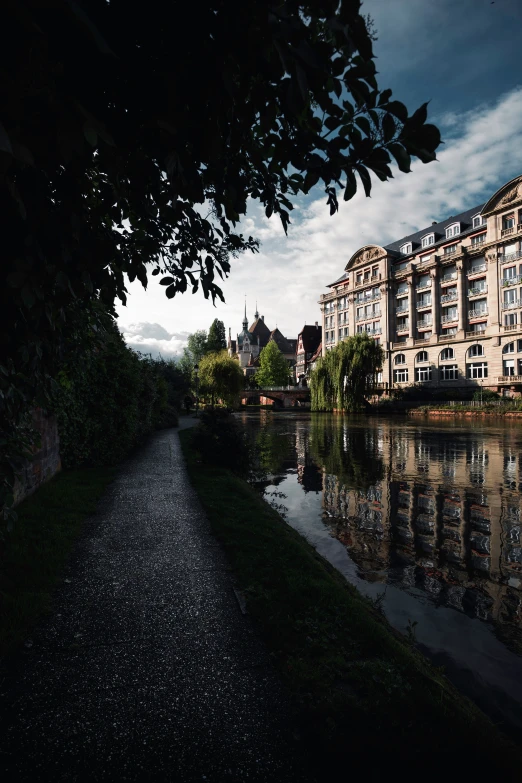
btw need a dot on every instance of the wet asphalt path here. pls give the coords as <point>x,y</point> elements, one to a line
<point>147,668</point>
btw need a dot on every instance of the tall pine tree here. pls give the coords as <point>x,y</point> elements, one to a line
<point>273,367</point>
<point>216,336</point>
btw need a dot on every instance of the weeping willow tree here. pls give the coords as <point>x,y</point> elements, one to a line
<point>344,377</point>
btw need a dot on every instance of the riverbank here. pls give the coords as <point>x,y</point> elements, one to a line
<point>33,554</point>
<point>469,411</point>
<point>368,700</point>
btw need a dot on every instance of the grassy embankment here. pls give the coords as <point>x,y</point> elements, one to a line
<point>32,556</point>
<point>366,699</point>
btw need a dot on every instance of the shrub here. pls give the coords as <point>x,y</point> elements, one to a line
<point>221,441</point>
<point>485,395</point>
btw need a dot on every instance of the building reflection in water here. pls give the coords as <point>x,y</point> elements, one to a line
<point>418,507</point>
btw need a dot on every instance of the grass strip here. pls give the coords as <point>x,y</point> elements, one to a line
<point>33,555</point>
<point>367,700</point>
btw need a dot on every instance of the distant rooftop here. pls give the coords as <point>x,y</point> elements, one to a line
<point>439,229</point>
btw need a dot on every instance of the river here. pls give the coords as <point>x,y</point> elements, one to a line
<point>423,517</point>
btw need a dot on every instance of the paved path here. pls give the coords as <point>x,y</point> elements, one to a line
<point>147,669</point>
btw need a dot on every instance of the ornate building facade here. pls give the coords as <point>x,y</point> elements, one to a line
<point>445,302</point>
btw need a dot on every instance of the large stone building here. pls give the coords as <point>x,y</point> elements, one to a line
<point>252,339</point>
<point>445,302</point>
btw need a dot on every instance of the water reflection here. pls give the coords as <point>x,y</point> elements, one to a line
<point>431,511</point>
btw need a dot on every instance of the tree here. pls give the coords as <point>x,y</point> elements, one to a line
<point>221,377</point>
<point>114,167</point>
<point>216,336</point>
<point>344,377</point>
<point>273,367</point>
<point>196,348</point>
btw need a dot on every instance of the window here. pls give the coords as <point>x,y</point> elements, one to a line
<point>453,230</point>
<point>359,278</point>
<point>422,374</point>
<point>477,370</point>
<point>451,330</point>
<point>449,372</point>
<point>508,221</point>
<point>422,356</point>
<point>509,274</point>
<point>478,220</point>
<point>375,271</point>
<point>400,359</point>
<point>400,376</point>
<point>447,354</point>
<point>510,297</point>
<point>508,367</point>
<point>406,248</point>
<point>402,289</point>
<point>477,265</point>
<point>449,314</point>
<point>478,239</point>
<point>450,249</point>
<point>519,346</point>
<point>428,240</point>
<point>510,319</point>
<point>476,350</point>
<point>509,348</point>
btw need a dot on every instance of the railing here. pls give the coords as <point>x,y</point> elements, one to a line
<point>446,319</point>
<point>507,257</point>
<point>402,292</point>
<point>512,327</point>
<point>475,332</point>
<point>449,297</point>
<point>423,286</point>
<point>421,341</point>
<point>402,309</point>
<point>377,330</point>
<point>422,305</point>
<point>511,305</point>
<point>450,252</point>
<point>401,268</point>
<point>479,241</point>
<point>403,327</point>
<point>477,313</point>
<point>448,278</point>
<point>367,298</point>
<point>477,291</point>
<point>507,231</point>
<point>507,281</point>
<point>475,270</point>
<point>276,388</point>
<point>327,297</point>
<point>446,337</point>
<point>424,324</point>
<point>509,379</point>
<point>368,317</point>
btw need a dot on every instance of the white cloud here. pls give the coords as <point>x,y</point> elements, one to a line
<point>154,339</point>
<point>290,273</point>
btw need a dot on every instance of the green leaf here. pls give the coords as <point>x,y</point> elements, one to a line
<point>388,127</point>
<point>167,281</point>
<point>365,179</point>
<point>364,125</point>
<point>398,110</point>
<point>170,292</point>
<point>351,185</point>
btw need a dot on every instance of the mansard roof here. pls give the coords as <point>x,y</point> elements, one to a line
<point>438,228</point>
<point>282,343</point>
<point>261,330</point>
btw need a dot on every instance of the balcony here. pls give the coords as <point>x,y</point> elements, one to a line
<point>507,281</point>
<point>368,316</point>
<point>507,231</point>
<point>479,242</point>
<point>421,341</point>
<point>423,286</point>
<point>449,319</point>
<point>511,305</point>
<point>449,297</point>
<point>509,379</point>
<point>371,332</point>
<point>475,332</point>
<point>448,252</point>
<point>446,337</point>
<point>476,269</point>
<point>505,259</point>
<point>399,310</point>
<point>448,278</point>
<point>328,297</point>
<point>405,327</point>
<point>481,313</point>
<point>512,327</point>
<point>425,324</point>
<point>368,297</point>
<point>423,305</point>
<point>477,291</point>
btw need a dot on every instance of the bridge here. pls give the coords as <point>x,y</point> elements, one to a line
<point>280,396</point>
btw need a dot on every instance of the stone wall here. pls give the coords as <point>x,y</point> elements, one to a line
<point>46,460</point>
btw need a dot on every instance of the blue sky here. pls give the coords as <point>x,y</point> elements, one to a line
<point>463,56</point>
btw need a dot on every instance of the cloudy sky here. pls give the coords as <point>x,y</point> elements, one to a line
<point>462,56</point>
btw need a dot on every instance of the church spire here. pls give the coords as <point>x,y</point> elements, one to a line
<point>245,319</point>
<point>256,314</point>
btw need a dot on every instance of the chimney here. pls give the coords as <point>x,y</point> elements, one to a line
<point>263,318</point>
<point>316,325</point>
<point>433,222</point>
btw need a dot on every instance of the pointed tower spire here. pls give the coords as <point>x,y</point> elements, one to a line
<point>256,314</point>
<point>245,319</point>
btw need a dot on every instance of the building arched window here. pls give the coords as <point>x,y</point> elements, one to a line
<point>509,348</point>
<point>447,354</point>
<point>476,350</point>
<point>422,356</point>
<point>400,359</point>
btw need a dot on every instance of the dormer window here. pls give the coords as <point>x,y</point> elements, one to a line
<point>428,240</point>
<point>479,221</point>
<point>453,230</point>
<point>406,248</point>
